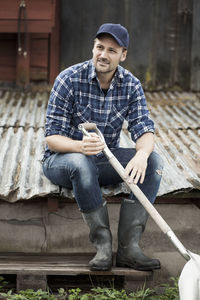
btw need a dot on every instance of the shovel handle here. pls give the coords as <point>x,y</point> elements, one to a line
<point>84,127</point>
<point>158,219</point>
<point>140,196</point>
<point>87,126</point>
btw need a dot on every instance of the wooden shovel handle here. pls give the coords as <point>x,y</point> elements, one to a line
<point>88,126</point>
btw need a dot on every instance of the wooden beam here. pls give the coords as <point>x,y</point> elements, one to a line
<point>23,63</point>
<point>36,26</point>
<point>70,264</point>
<point>54,51</point>
<point>53,204</point>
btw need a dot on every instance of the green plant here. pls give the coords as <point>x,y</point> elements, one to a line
<point>3,283</point>
<point>111,294</point>
<point>28,295</point>
<point>106,293</point>
<point>170,292</point>
<point>143,294</point>
<point>74,294</point>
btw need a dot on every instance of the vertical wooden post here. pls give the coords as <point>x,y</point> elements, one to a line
<point>23,63</point>
<point>54,47</point>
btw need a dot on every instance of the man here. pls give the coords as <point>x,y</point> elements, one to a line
<point>101,91</point>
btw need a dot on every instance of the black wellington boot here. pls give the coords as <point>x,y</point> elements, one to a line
<point>101,238</point>
<point>133,218</point>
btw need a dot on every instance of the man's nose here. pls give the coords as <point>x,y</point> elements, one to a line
<point>104,54</point>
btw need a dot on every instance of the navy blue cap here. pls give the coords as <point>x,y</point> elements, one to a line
<point>118,32</point>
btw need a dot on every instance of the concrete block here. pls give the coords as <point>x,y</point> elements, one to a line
<point>34,282</point>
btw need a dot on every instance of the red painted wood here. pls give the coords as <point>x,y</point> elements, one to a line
<point>7,57</point>
<point>36,9</point>
<point>7,73</point>
<point>42,61</point>
<point>54,66</point>
<point>23,66</point>
<point>39,53</point>
<point>32,26</point>
<point>40,15</point>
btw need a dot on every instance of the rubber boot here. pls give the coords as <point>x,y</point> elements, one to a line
<point>133,218</point>
<point>101,238</point>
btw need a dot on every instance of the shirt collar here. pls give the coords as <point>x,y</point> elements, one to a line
<point>92,72</point>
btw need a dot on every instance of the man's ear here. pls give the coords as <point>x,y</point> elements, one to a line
<point>123,56</point>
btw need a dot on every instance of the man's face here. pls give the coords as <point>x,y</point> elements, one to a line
<point>107,54</point>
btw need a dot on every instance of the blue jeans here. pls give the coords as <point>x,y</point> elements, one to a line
<point>86,174</point>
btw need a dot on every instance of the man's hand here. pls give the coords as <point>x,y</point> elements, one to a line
<point>92,145</point>
<point>136,168</point>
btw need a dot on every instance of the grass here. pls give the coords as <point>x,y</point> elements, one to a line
<point>169,292</point>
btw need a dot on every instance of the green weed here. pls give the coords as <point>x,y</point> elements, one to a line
<point>169,292</point>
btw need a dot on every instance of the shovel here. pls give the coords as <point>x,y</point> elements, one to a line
<point>189,281</point>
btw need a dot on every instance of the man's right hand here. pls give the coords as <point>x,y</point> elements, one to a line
<point>92,145</point>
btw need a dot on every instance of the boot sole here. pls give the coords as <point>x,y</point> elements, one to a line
<point>100,269</point>
<point>135,267</point>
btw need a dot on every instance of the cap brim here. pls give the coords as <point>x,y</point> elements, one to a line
<point>119,42</point>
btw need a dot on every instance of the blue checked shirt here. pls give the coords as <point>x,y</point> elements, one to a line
<point>76,97</point>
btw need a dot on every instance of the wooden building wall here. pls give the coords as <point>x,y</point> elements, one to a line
<point>39,45</point>
<point>164,50</point>
<point>164,47</point>
<point>33,26</point>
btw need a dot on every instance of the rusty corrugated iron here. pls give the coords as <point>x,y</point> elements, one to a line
<point>22,117</point>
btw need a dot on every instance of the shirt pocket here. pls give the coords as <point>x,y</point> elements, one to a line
<point>83,113</point>
<point>117,116</point>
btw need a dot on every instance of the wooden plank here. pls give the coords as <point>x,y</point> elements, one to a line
<point>52,204</point>
<point>36,9</point>
<point>7,73</point>
<point>7,57</point>
<point>66,270</point>
<point>23,64</point>
<point>39,53</point>
<point>59,265</point>
<point>40,26</point>
<point>54,51</point>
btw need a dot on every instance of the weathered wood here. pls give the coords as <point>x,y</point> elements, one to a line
<point>53,204</point>
<point>59,265</point>
<point>23,63</point>
<point>195,55</point>
<point>42,59</point>
<point>39,18</point>
<point>54,46</point>
<point>33,26</point>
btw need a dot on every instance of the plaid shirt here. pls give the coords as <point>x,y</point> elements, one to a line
<point>76,97</point>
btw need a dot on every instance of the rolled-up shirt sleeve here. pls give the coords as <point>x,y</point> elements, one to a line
<point>139,121</point>
<point>59,109</point>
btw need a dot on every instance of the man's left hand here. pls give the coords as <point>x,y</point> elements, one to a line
<point>136,168</point>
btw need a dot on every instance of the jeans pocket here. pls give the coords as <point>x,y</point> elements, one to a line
<point>46,164</point>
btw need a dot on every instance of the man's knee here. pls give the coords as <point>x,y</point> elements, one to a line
<point>82,166</point>
<point>155,163</point>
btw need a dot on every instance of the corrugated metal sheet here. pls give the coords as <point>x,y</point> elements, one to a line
<point>22,117</point>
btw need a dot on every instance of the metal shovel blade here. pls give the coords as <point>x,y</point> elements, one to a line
<point>189,281</point>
